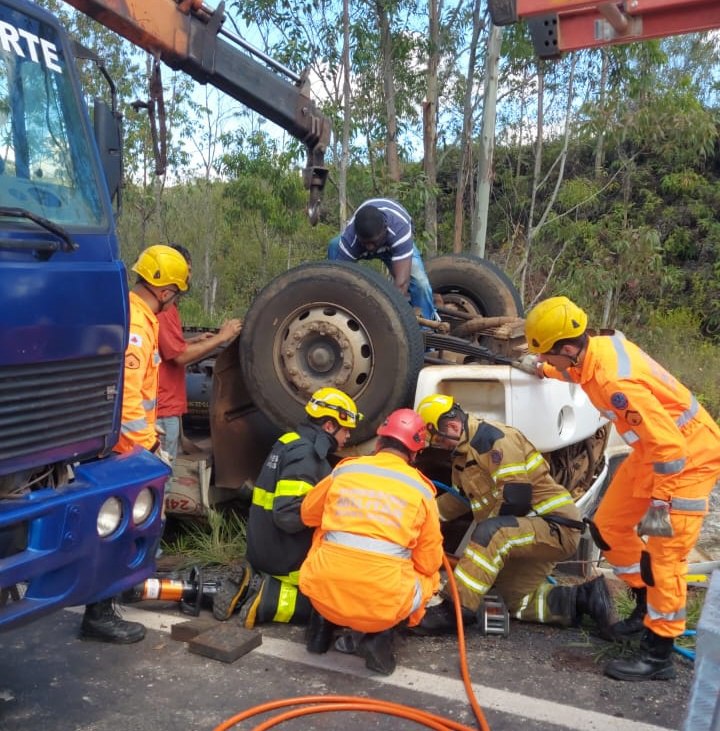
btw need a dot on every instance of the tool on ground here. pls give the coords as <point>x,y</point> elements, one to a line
<point>493,616</point>
<point>190,593</point>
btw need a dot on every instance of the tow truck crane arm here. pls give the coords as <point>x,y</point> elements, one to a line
<point>557,26</point>
<point>186,35</point>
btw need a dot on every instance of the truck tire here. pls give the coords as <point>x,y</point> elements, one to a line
<point>330,324</point>
<point>474,285</point>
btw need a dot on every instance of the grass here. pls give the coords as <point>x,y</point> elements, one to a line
<point>625,603</point>
<point>217,541</point>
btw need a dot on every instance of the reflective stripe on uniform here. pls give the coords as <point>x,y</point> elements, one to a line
<point>262,498</point>
<point>417,597</point>
<point>690,505</point>
<point>149,404</point>
<point>631,569</point>
<point>481,561</point>
<point>689,414</point>
<point>534,461</point>
<point>630,437</point>
<point>477,587</point>
<point>292,488</point>
<point>292,578</point>
<point>669,468</point>
<point>134,425</point>
<point>364,543</point>
<point>286,603</point>
<point>367,470</point>
<point>290,436</point>
<point>623,359</point>
<point>668,616</point>
<point>556,501</point>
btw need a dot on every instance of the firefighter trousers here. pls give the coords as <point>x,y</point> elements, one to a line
<point>660,563</point>
<point>514,557</point>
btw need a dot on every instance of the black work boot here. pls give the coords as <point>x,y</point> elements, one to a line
<point>231,589</point>
<point>255,600</point>
<point>652,662</point>
<point>102,622</point>
<point>319,634</point>
<point>633,624</point>
<point>377,649</point>
<point>439,619</point>
<point>591,598</point>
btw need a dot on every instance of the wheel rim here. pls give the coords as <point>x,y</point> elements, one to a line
<point>322,345</point>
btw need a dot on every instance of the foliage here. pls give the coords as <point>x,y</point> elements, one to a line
<point>218,541</point>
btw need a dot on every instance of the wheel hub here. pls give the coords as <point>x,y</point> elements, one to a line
<point>324,346</point>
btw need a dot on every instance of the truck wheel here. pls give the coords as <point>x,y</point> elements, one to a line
<point>474,286</point>
<point>330,324</point>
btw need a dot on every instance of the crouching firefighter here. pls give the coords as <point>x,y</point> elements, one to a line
<point>524,523</point>
<point>277,539</point>
<point>376,554</point>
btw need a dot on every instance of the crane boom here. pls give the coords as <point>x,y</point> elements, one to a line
<point>557,26</point>
<point>188,36</point>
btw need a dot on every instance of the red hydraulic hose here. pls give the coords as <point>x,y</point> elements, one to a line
<point>327,704</point>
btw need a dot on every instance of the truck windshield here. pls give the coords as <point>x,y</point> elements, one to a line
<point>46,163</point>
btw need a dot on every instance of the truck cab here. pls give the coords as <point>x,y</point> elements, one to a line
<point>78,523</point>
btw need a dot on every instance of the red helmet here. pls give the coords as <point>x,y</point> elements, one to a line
<point>407,427</point>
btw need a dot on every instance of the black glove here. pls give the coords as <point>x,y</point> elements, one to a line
<point>656,521</point>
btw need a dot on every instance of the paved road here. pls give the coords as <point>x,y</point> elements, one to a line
<point>539,679</point>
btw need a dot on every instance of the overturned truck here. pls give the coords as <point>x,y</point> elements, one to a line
<point>344,325</point>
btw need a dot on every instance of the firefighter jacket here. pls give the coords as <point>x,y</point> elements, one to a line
<point>277,540</point>
<point>377,550</point>
<point>502,473</point>
<point>140,387</point>
<point>651,410</point>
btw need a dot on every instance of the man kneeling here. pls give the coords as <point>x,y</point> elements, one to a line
<point>377,548</point>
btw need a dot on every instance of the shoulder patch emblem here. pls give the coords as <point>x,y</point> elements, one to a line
<point>496,456</point>
<point>619,400</point>
<point>633,418</point>
<point>132,361</point>
<point>135,339</point>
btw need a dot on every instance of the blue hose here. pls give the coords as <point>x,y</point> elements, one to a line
<point>452,491</point>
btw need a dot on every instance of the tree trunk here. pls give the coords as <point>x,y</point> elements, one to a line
<point>346,94</point>
<point>602,101</point>
<point>487,142</point>
<point>466,139</point>
<point>430,108</point>
<point>388,79</point>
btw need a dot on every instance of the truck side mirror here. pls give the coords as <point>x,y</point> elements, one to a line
<point>108,135</point>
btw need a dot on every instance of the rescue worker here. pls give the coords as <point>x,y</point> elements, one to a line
<point>277,539</point>
<point>377,548</point>
<point>661,489</point>
<point>162,274</point>
<point>525,523</point>
<point>382,229</point>
<point>176,354</point>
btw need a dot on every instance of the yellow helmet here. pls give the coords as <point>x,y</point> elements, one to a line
<point>335,404</point>
<point>433,408</point>
<point>553,319</point>
<point>161,266</point>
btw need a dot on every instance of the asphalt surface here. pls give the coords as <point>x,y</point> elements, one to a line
<point>540,678</point>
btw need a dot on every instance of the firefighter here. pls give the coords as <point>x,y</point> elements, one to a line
<point>650,517</point>
<point>277,539</point>
<point>525,523</point>
<point>162,274</point>
<point>377,548</point>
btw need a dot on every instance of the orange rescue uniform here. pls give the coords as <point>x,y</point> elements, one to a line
<point>377,547</point>
<point>675,457</point>
<point>142,363</point>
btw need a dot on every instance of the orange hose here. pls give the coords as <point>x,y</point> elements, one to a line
<point>327,704</point>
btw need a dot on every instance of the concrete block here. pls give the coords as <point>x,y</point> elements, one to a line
<point>226,642</point>
<point>185,631</point>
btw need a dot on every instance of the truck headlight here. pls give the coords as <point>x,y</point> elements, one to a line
<point>143,506</point>
<point>109,517</point>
